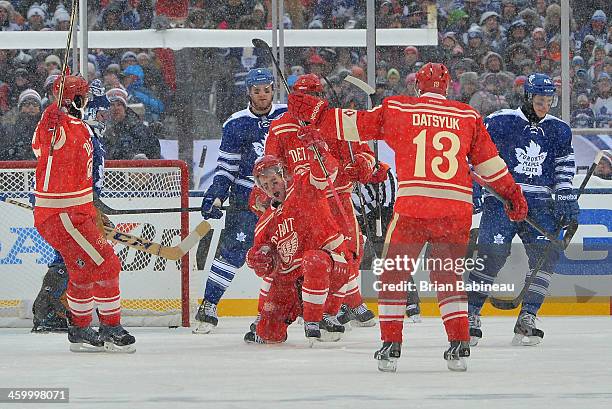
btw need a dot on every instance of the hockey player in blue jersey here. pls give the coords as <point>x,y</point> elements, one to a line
<point>244,134</point>
<point>49,311</point>
<point>538,150</point>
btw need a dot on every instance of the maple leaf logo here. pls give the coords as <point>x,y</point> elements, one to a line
<point>530,160</point>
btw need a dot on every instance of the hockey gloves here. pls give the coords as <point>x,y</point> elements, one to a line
<point>210,207</point>
<point>53,116</point>
<point>306,107</point>
<point>261,259</point>
<point>380,174</point>
<point>566,206</point>
<point>360,170</point>
<point>517,207</point>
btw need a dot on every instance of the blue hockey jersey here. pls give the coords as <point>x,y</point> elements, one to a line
<point>540,157</point>
<point>242,143</point>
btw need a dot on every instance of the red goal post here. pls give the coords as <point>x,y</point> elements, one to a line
<point>154,291</point>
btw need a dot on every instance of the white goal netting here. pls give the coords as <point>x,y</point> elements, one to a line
<point>154,290</point>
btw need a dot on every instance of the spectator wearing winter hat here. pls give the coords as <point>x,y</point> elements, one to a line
<point>532,18</point>
<point>61,19</point>
<point>596,62</point>
<point>458,22</point>
<point>393,83</point>
<point>476,48</point>
<point>21,81</point>
<point>37,15</point>
<point>469,85</point>
<point>494,33</point>
<point>110,18</point>
<point>602,101</point>
<point>538,43</point>
<point>415,17</point>
<point>586,47</point>
<point>596,27</point>
<point>489,98</point>
<point>493,63</point>
<point>133,81</point>
<point>315,64</point>
<point>515,54</point>
<point>409,85</point>
<point>126,135</point>
<point>52,62</point>
<point>582,114</point>
<point>410,58</point>
<point>517,33</point>
<point>515,96</point>
<point>7,17</point>
<point>128,58</point>
<point>474,9</point>
<point>17,144</point>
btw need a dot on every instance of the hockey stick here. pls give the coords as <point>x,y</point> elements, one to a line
<point>138,243</point>
<point>553,239</point>
<point>109,211</point>
<point>60,94</point>
<point>365,87</point>
<point>359,193</point>
<point>567,237</point>
<point>262,45</point>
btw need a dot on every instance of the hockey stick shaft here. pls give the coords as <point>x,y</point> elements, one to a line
<point>60,95</point>
<point>371,92</point>
<point>528,219</point>
<point>138,243</point>
<point>567,237</point>
<point>358,187</point>
<point>109,211</point>
<point>261,44</point>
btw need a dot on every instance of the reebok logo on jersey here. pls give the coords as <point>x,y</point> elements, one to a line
<point>567,197</point>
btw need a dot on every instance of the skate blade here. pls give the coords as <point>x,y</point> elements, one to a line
<point>387,365</point>
<point>203,328</point>
<point>474,341</point>
<point>119,349</point>
<point>329,336</point>
<point>457,365</point>
<point>81,347</point>
<point>368,323</point>
<point>525,340</point>
<point>310,341</point>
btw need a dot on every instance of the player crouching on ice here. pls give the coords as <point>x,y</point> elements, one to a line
<point>66,218</point>
<point>432,138</point>
<point>298,244</point>
<point>538,150</point>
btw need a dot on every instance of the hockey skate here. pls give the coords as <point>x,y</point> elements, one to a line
<point>85,339</point>
<point>388,355</point>
<point>455,355</point>
<point>331,329</point>
<point>413,312</point>
<point>312,332</point>
<point>359,316</point>
<point>253,325</point>
<point>475,331</point>
<point>51,323</point>
<point>206,317</point>
<point>117,339</point>
<point>251,337</point>
<point>525,331</point>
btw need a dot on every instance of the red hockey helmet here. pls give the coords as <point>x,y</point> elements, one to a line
<point>73,86</point>
<point>270,165</point>
<point>433,77</point>
<point>308,83</point>
<point>266,163</point>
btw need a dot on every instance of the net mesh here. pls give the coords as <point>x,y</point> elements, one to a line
<point>150,285</point>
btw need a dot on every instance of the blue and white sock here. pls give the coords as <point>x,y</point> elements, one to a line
<point>219,279</point>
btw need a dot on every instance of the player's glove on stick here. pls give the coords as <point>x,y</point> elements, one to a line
<point>517,208</point>
<point>380,174</point>
<point>566,206</point>
<point>210,207</point>
<point>53,116</point>
<point>261,259</point>
<point>306,107</point>
<point>359,170</point>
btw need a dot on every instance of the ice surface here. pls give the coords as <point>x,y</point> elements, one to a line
<point>174,369</point>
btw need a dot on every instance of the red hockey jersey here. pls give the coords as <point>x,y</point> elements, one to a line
<point>302,222</point>
<point>283,142</point>
<point>433,139</point>
<point>70,179</point>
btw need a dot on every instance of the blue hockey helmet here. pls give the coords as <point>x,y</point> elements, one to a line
<point>540,84</point>
<point>259,76</point>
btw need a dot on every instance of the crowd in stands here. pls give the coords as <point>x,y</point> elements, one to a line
<point>489,46</point>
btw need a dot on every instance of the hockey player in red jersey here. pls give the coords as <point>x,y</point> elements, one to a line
<point>283,142</point>
<point>297,239</point>
<point>433,138</point>
<point>66,218</point>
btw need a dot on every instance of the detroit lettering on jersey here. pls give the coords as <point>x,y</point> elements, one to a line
<point>539,156</point>
<point>435,121</point>
<point>244,135</point>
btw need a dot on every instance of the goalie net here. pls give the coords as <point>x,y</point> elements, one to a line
<point>154,291</point>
